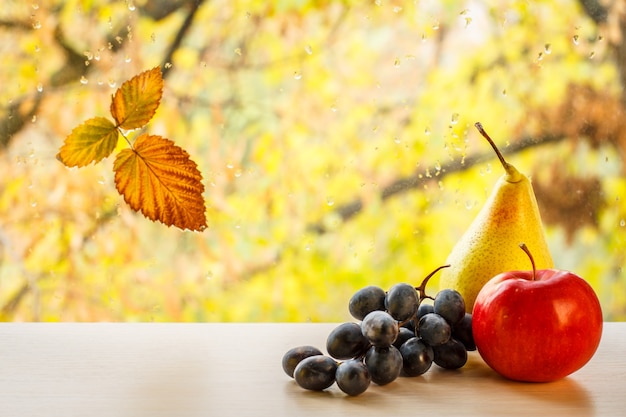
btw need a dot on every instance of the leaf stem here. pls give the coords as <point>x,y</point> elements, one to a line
<point>125,138</point>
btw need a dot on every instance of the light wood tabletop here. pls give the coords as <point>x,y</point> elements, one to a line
<point>179,370</point>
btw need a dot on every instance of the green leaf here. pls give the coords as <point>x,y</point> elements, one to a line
<point>89,142</point>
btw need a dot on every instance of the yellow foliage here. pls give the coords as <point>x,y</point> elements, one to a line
<point>296,113</point>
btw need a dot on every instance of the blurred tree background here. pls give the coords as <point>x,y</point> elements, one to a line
<point>336,142</point>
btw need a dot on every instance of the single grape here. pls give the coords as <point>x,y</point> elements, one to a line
<point>401,301</point>
<point>294,356</point>
<point>424,309</point>
<point>384,364</point>
<point>380,328</point>
<point>450,305</point>
<point>346,341</point>
<point>409,324</point>
<point>315,373</point>
<point>366,300</point>
<point>417,357</point>
<point>403,335</point>
<point>450,355</point>
<point>434,329</point>
<point>462,331</point>
<point>352,377</point>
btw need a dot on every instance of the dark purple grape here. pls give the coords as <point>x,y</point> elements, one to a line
<point>352,377</point>
<point>401,301</point>
<point>294,356</point>
<point>450,355</point>
<point>346,341</point>
<point>409,324</point>
<point>449,304</point>
<point>380,328</point>
<point>462,331</point>
<point>403,335</point>
<point>366,300</point>
<point>315,373</point>
<point>417,357</point>
<point>424,309</point>
<point>383,364</point>
<point>434,329</point>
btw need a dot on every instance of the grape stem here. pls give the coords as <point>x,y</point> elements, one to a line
<point>422,288</point>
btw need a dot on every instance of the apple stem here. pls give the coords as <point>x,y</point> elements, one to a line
<point>482,131</point>
<point>532,261</point>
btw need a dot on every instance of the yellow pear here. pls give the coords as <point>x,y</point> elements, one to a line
<point>491,243</point>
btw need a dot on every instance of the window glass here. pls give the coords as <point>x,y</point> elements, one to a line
<point>335,142</point>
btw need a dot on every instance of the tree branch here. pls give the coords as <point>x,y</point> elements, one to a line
<point>180,35</point>
<point>418,179</point>
<point>597,12</point>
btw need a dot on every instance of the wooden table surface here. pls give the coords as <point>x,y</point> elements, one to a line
<point>178,370</point>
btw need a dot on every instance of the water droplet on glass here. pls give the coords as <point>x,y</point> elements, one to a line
<point>238,51</point>
<point>131,6</point>
<point>112,83</point>
<point>297,75</point>
<point>40,87</point>
<point>396,140</point>
<point>330,202</point>
<point>378,2</point>
<point>435,26</point>
<point>454,119</point>
<point>209,275</point>
<point>427,132</point>
<point>333,108</point>
<point>101,180</point>
<point>230,165</point>
<point>34,118</point>
<point>36,24</point>
<point>127,59</point>
<point>504,92</point>
<point>622,222</point>
<point>540,56</point>
<point>168,65</point>
<point>396,62</point>
<point>437,168</point>
<point>238,173</point>
<point>308,49</point>
<point>35,6</point>
<point>469,205</point>
<point>33,203</point>
<point>397,9</point>
<point>592,54</point>
<point>575,39</point>
<point>547,48</point>
<point>83,80</point>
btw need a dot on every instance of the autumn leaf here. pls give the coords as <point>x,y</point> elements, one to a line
<point>159,179</point>
<point>89,142</point>
<point>136,101</point>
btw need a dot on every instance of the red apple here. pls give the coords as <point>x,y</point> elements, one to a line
<point>536,326</point>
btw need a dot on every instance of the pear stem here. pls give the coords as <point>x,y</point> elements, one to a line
<point>482,131</point>
<point>532,261</point>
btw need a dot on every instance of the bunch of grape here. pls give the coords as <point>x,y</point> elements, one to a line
<point>397,334</point>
